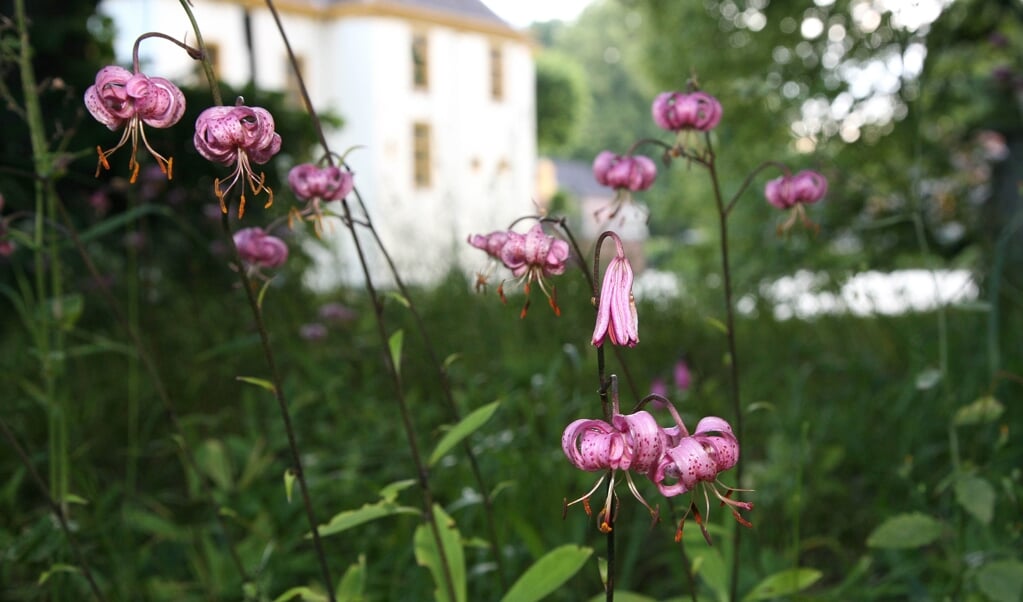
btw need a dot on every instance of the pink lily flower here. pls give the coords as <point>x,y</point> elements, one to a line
<point>629,172</point>
<point>258,250</point>
<point>120,98</point>
<point>316,185</point>
<point>616,307</point>
<point>677,111</point>
<point>793,192</point>
<point>238,136</point>
<point>531,257</point>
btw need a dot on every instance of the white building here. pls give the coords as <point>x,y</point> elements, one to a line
<point>437,94</point>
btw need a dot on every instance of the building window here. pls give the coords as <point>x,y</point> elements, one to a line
<point>420,61</point>
<point>496,73</point>
<point>421,154</point>
<point>291,82</point>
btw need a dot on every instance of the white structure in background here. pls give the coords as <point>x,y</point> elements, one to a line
<point>437,94</point>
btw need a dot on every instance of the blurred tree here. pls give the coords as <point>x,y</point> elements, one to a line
<point>888,99</point>
<point>562,100</point>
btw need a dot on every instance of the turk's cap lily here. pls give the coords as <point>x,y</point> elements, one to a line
<point>309,181</point>
<point>678,111</point>
<point>617,317</point>
<point>805,187</point>
<point>490,243</point>
<point>710,450</point>
<point>629,172</point>
<point>238,136</point>
<point>631,442</point>
<point>120,98</point>
<point>794,192</point>
<point>227,135</point>
<point>257,249</point>
<point>534,250</point>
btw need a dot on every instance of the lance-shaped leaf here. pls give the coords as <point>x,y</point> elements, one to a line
<point>453,565</point>
<point>463,429</point>
<point>548,573</point>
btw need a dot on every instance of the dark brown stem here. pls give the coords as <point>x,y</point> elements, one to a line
<point>733,357</point>
<point>749,180</point>
<point>282,404</point>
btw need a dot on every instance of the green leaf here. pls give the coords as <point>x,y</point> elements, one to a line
<point>262,293</point>
<point>394,343</point>
<point>398,297</point>
<point>57,568</point>
<point>706,561</point>
<point>65,311</point>
<point>214,461</point>
<point>427,555</point>
<point>717,324</point>
<point>259,382</point>
<point>390,492</point>
<point>463,429</point>
<point>368,512</point>
<point>548,573</point>
<point>910,530</point>
<point>1001,580</point>
<point>352,586</point>
<point>154,524</point>
<point>785,583</point>
<point>306,594</point>
<point>71,498</point>
<point>121,219</point>
<point>977,497</point>
<point>451,359</point>
<point>983,410</point>
<point>289,483</point>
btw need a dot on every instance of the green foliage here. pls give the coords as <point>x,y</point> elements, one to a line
<point>562,100</point>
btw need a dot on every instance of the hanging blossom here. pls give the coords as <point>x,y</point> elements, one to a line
<point>238,136</point>
<point>616,307</point>
<point>120,98</point>
<point>792,192</point>
<point>259,250</point>
<point>317,185</point>
<point>630,442</point>
<point>675,461</point>
<point>624,172</point>
<point>531,257</point>
<point>679,111</point>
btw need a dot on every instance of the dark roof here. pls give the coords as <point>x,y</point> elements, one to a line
<point>576,177</point>
<point>473,9</point>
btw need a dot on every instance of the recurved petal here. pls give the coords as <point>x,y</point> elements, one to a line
<point>587,444</point>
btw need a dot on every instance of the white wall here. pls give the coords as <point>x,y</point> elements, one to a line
<point>483,154</point>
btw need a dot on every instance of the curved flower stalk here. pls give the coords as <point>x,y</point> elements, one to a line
<point>531,257</point>
<point>317,185</point>
<point>120,98</point>
<point>792,192</point>
<point>678,111</point>
<point>617,318</point>
<point>238,136</point>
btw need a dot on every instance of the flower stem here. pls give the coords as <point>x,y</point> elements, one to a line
<point>282,404</point>
<point>131,328</point>
<point>733,357</point>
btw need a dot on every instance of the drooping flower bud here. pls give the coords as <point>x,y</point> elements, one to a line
<point>677,111</point>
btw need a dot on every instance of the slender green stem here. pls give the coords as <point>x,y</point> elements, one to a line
<point>55,507</point>
<point>158,384</point>
<point>49,336</point>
